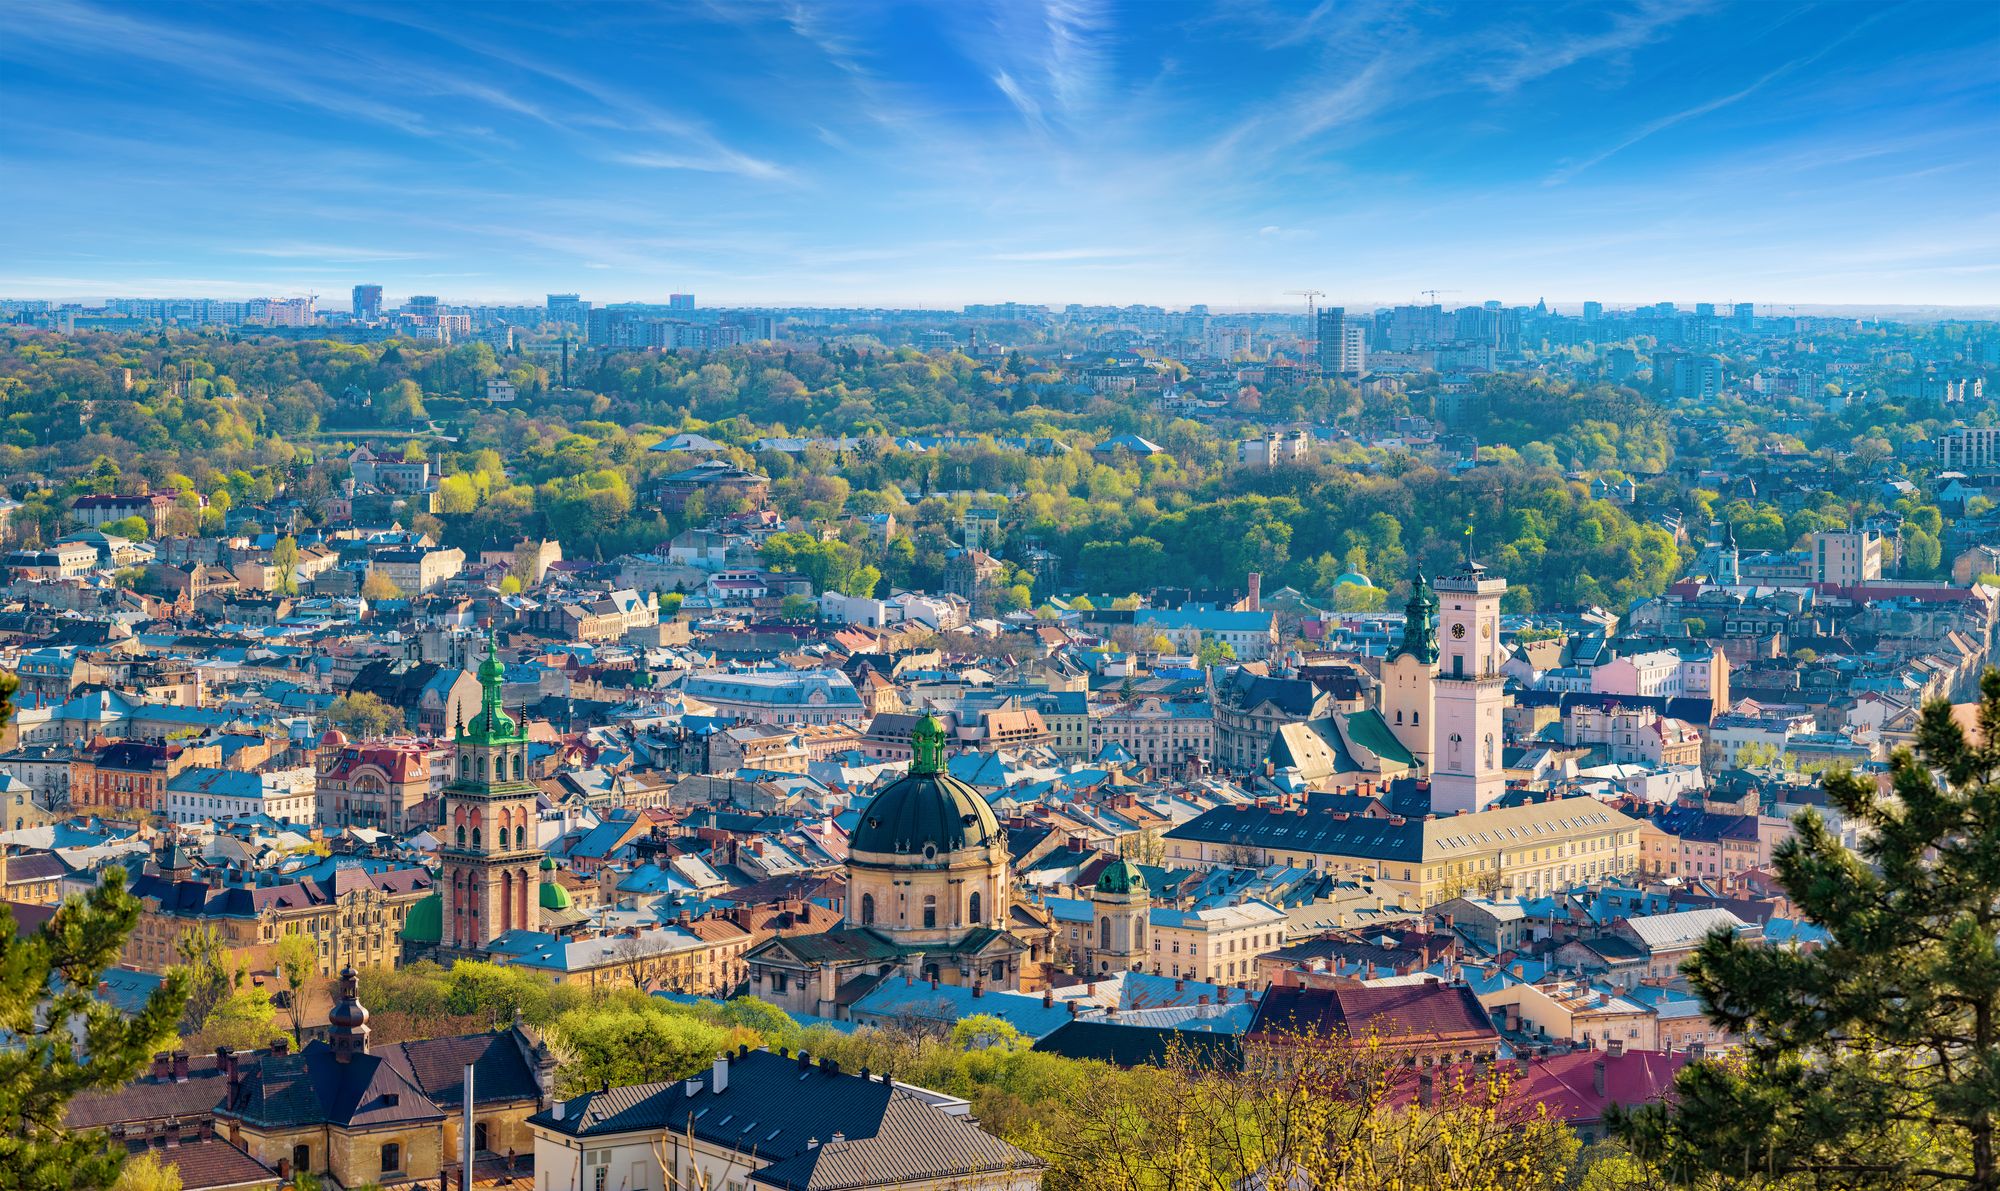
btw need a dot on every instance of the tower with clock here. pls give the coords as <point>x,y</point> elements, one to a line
<point>1466,769</point>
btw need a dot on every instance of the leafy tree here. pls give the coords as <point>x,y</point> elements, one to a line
<point>1214,653</point>
<point>378,586</point>
<point>798,607</point>
<point>145,1172</point>
<point>1875,1060</point>
<point>630,1042</point>
<point>285,566</point>
<point>133,529</point>
<point>670,603</point>
<point>62,1041</point>
<point>363,715</point>
<point>296,958</point>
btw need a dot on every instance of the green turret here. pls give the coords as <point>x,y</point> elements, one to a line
<point>1420,627</point>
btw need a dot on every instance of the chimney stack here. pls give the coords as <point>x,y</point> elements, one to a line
<point>1256,585</point>
<point>720,1081</point>
<point>1597,1077</point>
<point>180,1066</point>
<point>163,1067</point>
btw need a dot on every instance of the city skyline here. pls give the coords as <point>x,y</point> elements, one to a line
<point>930,156</point>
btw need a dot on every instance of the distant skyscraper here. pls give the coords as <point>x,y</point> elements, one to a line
<point>368,302</point>
<point>421,306</point>
<point>1746,315</point>
<point>680,302</point>
<point>1593,312</point>
<point>1343,345</point>
<point>1704,309</point>
<point>568,308</point>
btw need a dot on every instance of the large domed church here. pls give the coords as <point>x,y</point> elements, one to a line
<point>929,896</point>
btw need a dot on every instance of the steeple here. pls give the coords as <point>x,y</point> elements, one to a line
<point>492,723</point>
<point>1420,639</point>
<point>348,1021</point>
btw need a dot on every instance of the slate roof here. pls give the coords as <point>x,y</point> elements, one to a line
<point>1271,827</point>
<point>1141,1046</point>
<point>437,1065</point>
<point>1397,1013</point>
<point>779,1106</point>
<point>212,1164</point>
<point>313,1087</point>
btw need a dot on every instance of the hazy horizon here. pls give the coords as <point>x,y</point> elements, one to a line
<point>1069,150</point>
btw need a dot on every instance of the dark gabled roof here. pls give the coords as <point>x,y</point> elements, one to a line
<point>1142,1046</point>
<point>775,1106</point>
<point>1246,689</point>
<point>500,1070</point>
<point>837,946</point>
<point>34,866</point>
<point>314,1088</point>
<point>1406,1013</point>
<point>149,1099</point>
<point>1274,827</point>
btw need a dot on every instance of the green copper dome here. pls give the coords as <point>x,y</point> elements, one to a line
<point>554,896</point>
<point>1121,876</point>
<point>927,809</point>
<point>425,921</point>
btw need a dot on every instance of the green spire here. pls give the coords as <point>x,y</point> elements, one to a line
<point>927,746</point>
<point>493,722</point>
<point>1420,632</point>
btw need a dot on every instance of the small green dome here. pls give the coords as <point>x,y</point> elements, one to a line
<point>548,864</point>
<point>1121,876</point>
<point>1353,579</point>
<point>554,896</point>
<point>425,921</point>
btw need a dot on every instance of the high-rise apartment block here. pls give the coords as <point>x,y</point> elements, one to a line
<point>1343,344</point>
<point>368,302</point>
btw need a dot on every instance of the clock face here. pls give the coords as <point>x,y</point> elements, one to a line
<point>1458,631</point>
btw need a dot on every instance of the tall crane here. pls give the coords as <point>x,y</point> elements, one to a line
<point>1312,296</point>
<point>1432,294</point>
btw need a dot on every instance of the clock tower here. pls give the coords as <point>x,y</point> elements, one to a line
<point>1466,772</point>
<point>490,854</point>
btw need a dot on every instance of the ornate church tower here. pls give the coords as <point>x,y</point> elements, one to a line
<point>1727,559</point>
<point>1466,772</point>
<point>1120,907</point>
<point>490,853</point>
<point>1409,676</point>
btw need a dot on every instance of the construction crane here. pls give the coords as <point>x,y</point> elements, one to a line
<point>1432,294</point>
<point>1311,296</point>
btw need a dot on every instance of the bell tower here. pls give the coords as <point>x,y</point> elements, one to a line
<point>1409,675</point>
<point>490,853</point>
<point>1120,906</point>
<point>1466,772</point>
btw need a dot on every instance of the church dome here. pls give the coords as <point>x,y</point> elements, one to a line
<point>554,896</point>
<point>927,810</point>
<point>1121,876</point>
<point>1353,579</point>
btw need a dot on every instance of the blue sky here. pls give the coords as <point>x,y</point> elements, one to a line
<point>956,151</point>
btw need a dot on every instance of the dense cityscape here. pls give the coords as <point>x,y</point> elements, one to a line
<point>909,596</point>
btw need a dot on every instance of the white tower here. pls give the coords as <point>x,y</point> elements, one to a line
<point>1466,773</point>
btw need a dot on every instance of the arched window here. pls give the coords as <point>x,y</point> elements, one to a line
<point>392,1158</point>
<point>972,909</point>
<point>930,912</point>
<point>1416,717</point>
<point>868,909</point>
<point>475,837</point>
<point>464,765</point>
<point>461,837</point>
<point>520,837</point>
<point>517,767</point>
<point>1104,934</point>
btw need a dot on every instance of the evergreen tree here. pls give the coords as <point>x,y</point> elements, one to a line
<point>62,1040</point>
<point>1873,1062</point>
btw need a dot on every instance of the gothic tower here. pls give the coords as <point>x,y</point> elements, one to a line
<point>489,852</point>
<point>1727,558</point>
<point>1466,772</point>
<point>1120,907</point>
<point>1409,676</point>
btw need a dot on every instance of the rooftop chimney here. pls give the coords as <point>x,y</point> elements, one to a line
<point>163,1067</point>
<point>180,1066</point>
<point>1597,1077</point>
<point>1256,585</point>
<point>720,1082</point>
<point>1614,1047</point>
